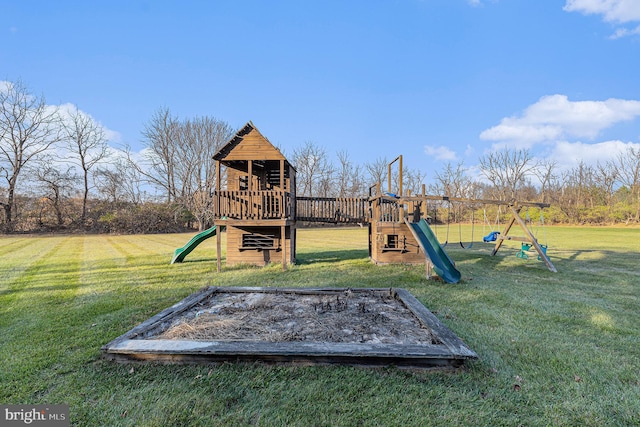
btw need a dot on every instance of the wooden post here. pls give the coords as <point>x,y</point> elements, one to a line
<point>282,175</point>
<point>428,266</point>
<point>219,249</point>
<point>218,179</point>
<point>283,240</point>
<point>400,176</point>
<point>217,214</point>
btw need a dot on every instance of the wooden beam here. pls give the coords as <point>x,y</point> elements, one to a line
<point>467,200</point>
<point>533,240</point>
<point>529,238</point>
<point>505,232</point>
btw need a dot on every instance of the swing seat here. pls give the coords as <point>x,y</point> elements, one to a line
<point>522,253</point>
<point>544,251</point>
<point>491,237</point>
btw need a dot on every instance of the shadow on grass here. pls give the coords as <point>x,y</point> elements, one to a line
<point>330,256</point>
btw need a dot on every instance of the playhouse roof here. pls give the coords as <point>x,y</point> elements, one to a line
<point>248,144</point>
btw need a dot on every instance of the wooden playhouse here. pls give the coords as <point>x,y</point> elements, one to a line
<point>259,202</point>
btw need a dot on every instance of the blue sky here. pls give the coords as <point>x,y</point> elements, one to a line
<point>435,80</point>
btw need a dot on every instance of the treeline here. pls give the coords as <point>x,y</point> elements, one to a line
<point>58,172</point>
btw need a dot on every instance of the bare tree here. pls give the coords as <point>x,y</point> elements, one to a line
<point>507,170</point>
<point>349,177</point>
<point>159,157</point>
<point>118,182</point>
<point>628,165</point>
<point>605,179</point>
<point>452,181</point>
<point>87,141</point>
<point>56,183</point>
<point>545,171</point>
<point>413,180</point>
<point>343,175</point>
<point>195,174</point>
<point>378,171</point>
<point>312,168</point>
<point>28,128</point>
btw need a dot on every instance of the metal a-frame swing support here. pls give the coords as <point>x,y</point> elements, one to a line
<point>515,209</point>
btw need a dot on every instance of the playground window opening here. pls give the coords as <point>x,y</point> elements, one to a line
<point>392,241</point>
<point>259,241</point>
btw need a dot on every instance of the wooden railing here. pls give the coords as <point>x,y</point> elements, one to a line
<point>332,209</point>
<point>385,210</point>
<point>254,205</point>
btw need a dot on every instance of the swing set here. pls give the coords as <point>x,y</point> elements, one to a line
<point>528,242</point>
<point>415,206</point>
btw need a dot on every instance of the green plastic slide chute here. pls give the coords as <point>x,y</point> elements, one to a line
<point>181,253</point>
<point>443,265</point>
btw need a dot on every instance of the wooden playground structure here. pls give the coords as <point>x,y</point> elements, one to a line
<point>260,209</point>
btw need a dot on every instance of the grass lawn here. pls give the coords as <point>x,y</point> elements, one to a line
<point>555,349</point>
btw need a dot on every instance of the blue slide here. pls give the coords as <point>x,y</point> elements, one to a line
<point>443,265</point>
<point>181,253</point>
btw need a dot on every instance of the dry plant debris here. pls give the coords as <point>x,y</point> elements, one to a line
<point>372,317</point>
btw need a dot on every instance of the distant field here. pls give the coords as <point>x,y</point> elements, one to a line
<point>555,349</point>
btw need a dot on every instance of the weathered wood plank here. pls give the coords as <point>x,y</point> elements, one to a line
<point>444,334</point>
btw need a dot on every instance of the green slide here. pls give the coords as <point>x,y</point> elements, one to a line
<point>181,253</point>
<point>442,263</point>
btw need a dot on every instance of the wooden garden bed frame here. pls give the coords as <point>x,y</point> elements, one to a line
<point>136,345</point>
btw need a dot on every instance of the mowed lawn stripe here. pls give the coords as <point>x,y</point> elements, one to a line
<point>36,322</point>
<point>24,254</point>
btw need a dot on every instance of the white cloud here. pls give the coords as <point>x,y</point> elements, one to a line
<point>570,154</point>
<point>440,153</point>
<point>65,111</point>
<point>555,117</point>
<point>624,32</point>
<point>614,11</point>
<point>474,2</point>
<point>469,151</point>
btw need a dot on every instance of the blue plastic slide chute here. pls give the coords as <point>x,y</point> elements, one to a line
<point>443,265</point>
<point>181,253</point>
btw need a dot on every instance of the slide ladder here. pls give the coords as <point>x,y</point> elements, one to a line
<point>181,253</point>
<point>443,265</point>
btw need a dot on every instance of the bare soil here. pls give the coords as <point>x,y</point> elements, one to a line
<point>372,317</point>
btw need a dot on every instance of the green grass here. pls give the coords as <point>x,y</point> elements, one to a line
<point>555,349</point>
